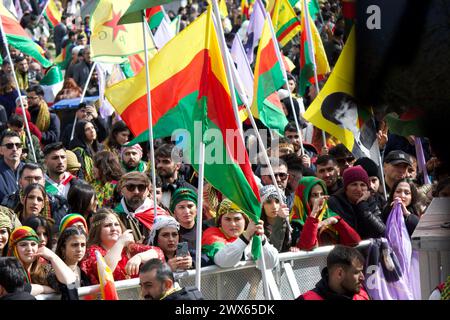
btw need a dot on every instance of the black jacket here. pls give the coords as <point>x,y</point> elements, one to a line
<point>188,293</point>
<point>365,217</point>
<point>18,295</point>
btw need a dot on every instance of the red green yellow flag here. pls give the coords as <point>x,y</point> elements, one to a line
<point>285,22</point>
<point>190,92</point>
<point>106,279</point>
<point>154,16</point>
<point>112,42</point>
<point>52,14</point>
<point>268,79</point>
<point>19,39</point>
<point>307,53</point>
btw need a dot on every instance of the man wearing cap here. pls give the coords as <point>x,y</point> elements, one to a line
<point>131,158</point>
<point>136,209</point>
<point>395,167</point>
<point>183,206</point>
<point>57,180</point>
<point>355,204</point>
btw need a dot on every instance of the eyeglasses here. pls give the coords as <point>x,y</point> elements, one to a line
<point>281,175</point>
<point>132,187</point>
<point>11,145</point>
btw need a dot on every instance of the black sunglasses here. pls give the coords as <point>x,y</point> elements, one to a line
<point>132,187</point>
<point>11,145</point>
<point>282,175</point>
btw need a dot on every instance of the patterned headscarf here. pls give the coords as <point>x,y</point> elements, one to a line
<point>70,219</point>
<point>162,222</point>
<point>21,234</point>
<point>5,222</point>
<point>301,209</point>
<point>227,206</point>
<point>269,192</point>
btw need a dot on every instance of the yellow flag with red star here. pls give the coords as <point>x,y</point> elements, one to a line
<point>112,42</point>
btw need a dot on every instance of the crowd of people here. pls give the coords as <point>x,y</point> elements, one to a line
<point>84,189</point>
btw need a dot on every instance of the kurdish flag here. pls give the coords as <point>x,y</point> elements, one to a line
<point>52,83</point>
<point>312,52</point>
<point>105,276</point>
<point>52,14</point>
<point>154,16</point>
<point>268,79</point>
<point>189,91</point>
<point>19,39</point>
<point>336,111</point>
<point>110,41</point>
<point>64,58</point>
<point>285,22</point>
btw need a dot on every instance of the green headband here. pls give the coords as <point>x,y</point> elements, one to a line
<point>182,194</point>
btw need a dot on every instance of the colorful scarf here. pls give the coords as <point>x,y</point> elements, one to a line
<point>43,118</point>
<point>105,192</point>
<point>21,234</point>
<point>68,220</point>
<point>61,188</point>
<point>87,165</point>
<point>301,209</point>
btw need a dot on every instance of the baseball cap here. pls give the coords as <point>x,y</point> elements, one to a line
<point>398,156</point>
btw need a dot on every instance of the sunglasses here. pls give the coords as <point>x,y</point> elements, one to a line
<point>132,187</point>
<point>281,175</point>
<point>11,145</point>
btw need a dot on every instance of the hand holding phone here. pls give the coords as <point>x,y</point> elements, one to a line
<point>182,249</point>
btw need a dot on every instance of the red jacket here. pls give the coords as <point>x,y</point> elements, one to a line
<point>309,238</point>
<point>312,295</point>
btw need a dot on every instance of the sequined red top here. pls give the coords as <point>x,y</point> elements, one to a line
<point>89,263</point>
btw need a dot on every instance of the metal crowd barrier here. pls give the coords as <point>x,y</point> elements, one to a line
<point>296,273</point>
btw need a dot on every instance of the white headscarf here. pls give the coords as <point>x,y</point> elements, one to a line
<point>162,222</point>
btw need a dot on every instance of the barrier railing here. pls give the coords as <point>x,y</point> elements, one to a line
<point>296,273</point>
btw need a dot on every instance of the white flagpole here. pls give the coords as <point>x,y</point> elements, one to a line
<point>25,120</point>
<point>43,10</point>
<point>280,60</point>
<point>83,94</point>
<point>145,27</point>
<point>198,230</point>
<point>224,48</point>
<point>313,57</point>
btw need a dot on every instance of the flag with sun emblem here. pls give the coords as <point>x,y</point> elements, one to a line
<point>112,42</point>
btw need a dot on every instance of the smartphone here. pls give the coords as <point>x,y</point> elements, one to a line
<point>182,249</point>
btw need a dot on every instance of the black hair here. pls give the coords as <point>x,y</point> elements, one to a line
<point>324,159</point>
<point>291,126</point>
<point>64,236</point>
<point>163,271</point>
<point>15,121</point>
<point>36,88</point>
<point>293,162</point>
<point>29,166</point>
<point>8,134</point>
<point>333,104</point>
<point>55,146</point>
<point>11,274</point>
<point>39,221</point>
<point>444,183</point>
<point>274,162</point>
<point>19,59</point>
<point>414,195</point>
<point>117,127</point>
<point>79,197</point>
<point>343,256</point>
<point>339,151</point>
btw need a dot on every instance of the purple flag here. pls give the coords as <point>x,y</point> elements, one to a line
<point>254,29</point>
<point>421,165</point>
<point>244,71</point>
<point>402,261</point>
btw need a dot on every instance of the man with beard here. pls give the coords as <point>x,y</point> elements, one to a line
<point>328,171</point>
<point>342,278</point>
<point>45,120</point>
<point>168,164</point>
<point>136,209</point>
<point>132,159</point>
<point>291,133</point>
<point>33,173</point>
<point>10,164</point>
<point>157,283</point>
<point>57,179</point>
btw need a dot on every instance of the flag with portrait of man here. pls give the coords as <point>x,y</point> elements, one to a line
<point>336,111</point>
